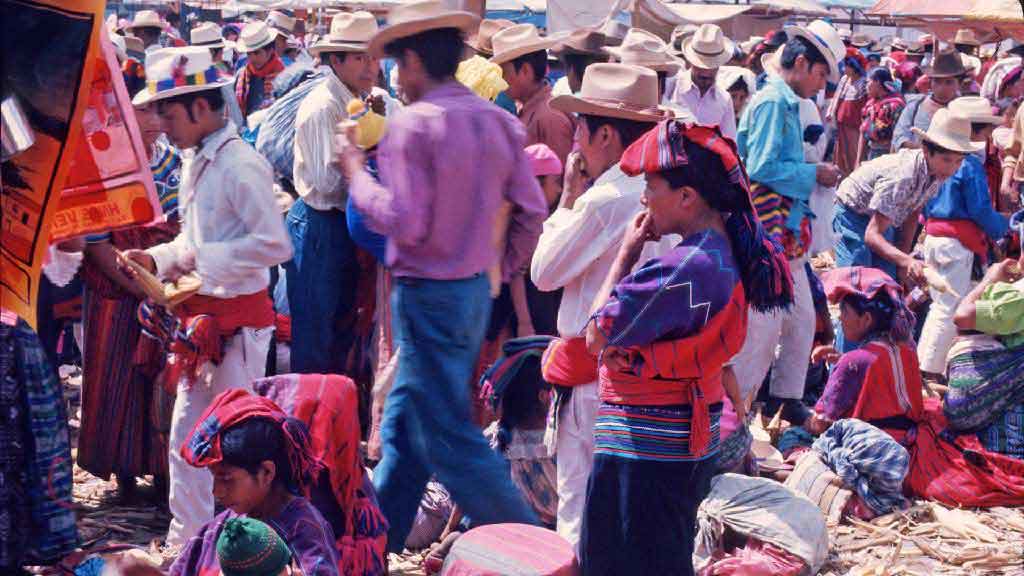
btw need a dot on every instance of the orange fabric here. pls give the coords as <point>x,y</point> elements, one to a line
<point>883,395</point>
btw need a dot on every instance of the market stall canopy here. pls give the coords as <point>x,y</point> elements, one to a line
<point>992,19</point>
<point>737,20</point>
<point>848,4</point>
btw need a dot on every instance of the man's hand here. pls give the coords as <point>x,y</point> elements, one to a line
<point>828,175</point>
<point>1006,271</point>
<point>1009,194</point>
<point>139,257</point>
<point>574,182</point>
<point>827,353</point>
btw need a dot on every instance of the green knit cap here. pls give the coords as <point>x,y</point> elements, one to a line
<point>248,547</point>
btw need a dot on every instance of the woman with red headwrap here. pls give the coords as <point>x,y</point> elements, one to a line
<point>662,335</point>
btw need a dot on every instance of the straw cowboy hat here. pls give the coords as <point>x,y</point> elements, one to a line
<point>708,48</point>
<point>946,64</point>
<point>860,40</point>
<point>585,41</point>
<point>966,36</point>
<point>915,48</point>
<point>256,35</point>
<point>615,91</point>
<point>175,71</point>
<point>641,48</point>
<point>481,41</point>
<point>281,22</point>
<point>977,109</point>
<point>410,18</point>
<point>615,31</point>
<point>519,40</point>
<point>950,132</point>
<point>749,44</point>
<point>350,32</point>
<point>898,43</point>
<point>206,35</point>
<point>145,19</point>
<point>134,45</point>
<point>825,38</point>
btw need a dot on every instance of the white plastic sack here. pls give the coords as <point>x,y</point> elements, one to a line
<point>763,509</point>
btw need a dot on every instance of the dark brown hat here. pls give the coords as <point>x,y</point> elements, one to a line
<point>946,64</point>
<point>585,41</point>
<point>915,49</point>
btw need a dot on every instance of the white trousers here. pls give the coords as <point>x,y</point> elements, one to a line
<point>191,489</point>
<point>574,459</point>
<point>784,338</point>
<point>952,261</point>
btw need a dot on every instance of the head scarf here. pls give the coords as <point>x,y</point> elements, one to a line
<point>767,282</point>
<point>202,448</point>
<point>856,60</point>
<point>868,283</point>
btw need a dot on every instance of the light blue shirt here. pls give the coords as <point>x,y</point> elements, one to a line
<point>771,144</point>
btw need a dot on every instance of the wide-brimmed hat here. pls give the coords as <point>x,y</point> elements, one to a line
<point>134,45</point>
<point>860,40</point>
<point>751,43</point>
<point>966,36</point>
<point>519,40</point>
<point>207,35</point>
<point>825,38</point>
<point>898,43</point>
<point>410,18</point>
<point>615,31</point>
<point>708,48</point>
<point>585,41</point>
<point>641,48</point>
<point>256,35</point>
<point>350,32</point>
<point>845,34</point>
<point>281,22</point>
<point>145,19</point>
<point>946,64</point>
<point>977,109</point>
<point>915,48</point>
<point>950,132</point>
<point>615,91</point>
<point>481,41</point>
<point>175,71</point>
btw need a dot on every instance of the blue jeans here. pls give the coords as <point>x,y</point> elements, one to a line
<point>321,280</point>
<point>426,427</point>
<point>849,228</point>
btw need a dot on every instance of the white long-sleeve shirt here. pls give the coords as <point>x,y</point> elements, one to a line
<point>317,179</point>
<point>231,228</point>
<point>713,108</point>
<point>577,247</point>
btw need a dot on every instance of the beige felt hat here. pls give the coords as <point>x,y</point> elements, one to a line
<point>350,32</point>
<point>966,36</point>
<point>206,35</point>
<point>615,31</point>
<point>145,19</point>
<point>977,109</point>
<point>134,45</point>
<point>708,48</point>
<point>175,71</point>
<point>481,41</point>
<point>585,41</point>
<point>519,40</point>
<point>679,34</point>
<point>615,91</point>
<point>411,18</point>
<point>256,35</point>
<point>641,48</point>
<point>950,132</point>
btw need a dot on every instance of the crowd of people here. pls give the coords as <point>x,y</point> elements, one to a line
<point>441,273</point>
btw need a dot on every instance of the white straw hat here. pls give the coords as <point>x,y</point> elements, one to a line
<point>350,32</point>
<point>708,47</point>
<point>950,132</point>
<point>826,39</point>
<point>256,35</point>
<point>976,109</point>
<point>145,19</point>
<point>615,91</point>
<point>206,35</point>
<point>281,22</point>
<point>175,71</point>
<point>641,48</point>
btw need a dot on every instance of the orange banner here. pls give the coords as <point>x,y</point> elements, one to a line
<point>45,47</point>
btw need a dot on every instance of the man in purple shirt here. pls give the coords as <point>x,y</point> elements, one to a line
<point>448,162</point>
